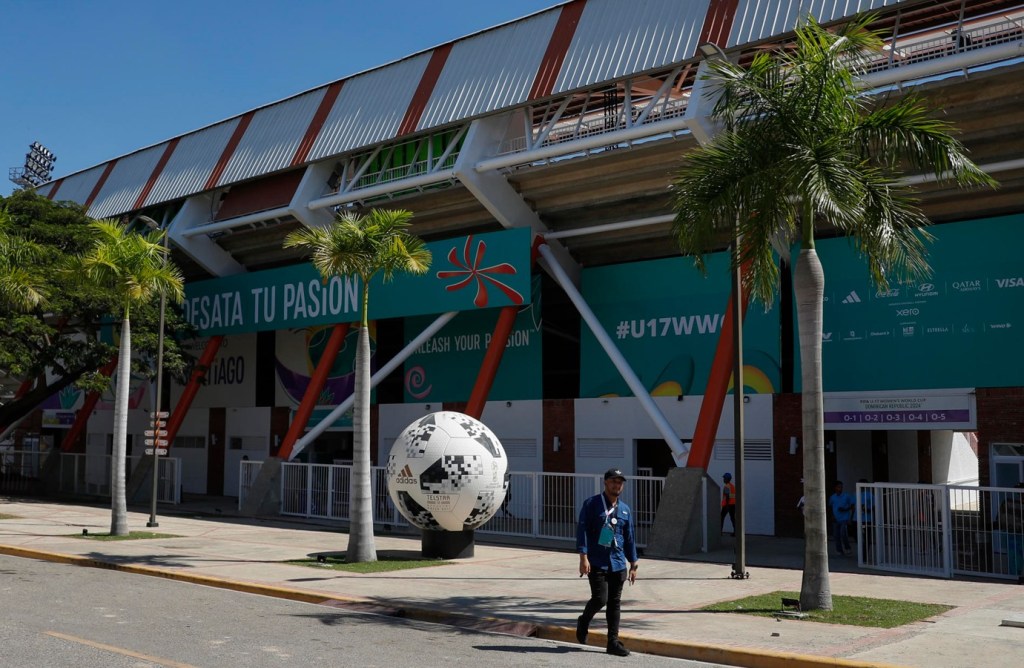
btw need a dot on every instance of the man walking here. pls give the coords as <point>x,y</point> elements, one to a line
<point>605,542</point>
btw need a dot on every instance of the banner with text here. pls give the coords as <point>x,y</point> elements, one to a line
<point>666,318</point>
<point>446,366</point>
<point>474,272</point>
<point>961,327</point>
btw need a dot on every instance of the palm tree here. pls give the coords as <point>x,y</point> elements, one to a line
<point>363,246</point>
<point>135,267</point>
<point>802,148</point>
<point>21,289</point>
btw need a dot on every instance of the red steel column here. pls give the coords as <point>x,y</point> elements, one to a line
<point>316,385</point>
<point>82,417</point>
<point>198,373</point>
<point>714,395</point>
<point>492,360</point>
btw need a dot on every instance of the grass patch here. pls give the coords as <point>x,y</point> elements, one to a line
<point>132,535</point>
<point>5,516</point>
<point>851,610</point>
<point>337,562</point>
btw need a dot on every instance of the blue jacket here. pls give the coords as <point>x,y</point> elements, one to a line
<point>588,531</point>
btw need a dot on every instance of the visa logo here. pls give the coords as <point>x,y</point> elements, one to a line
<point>1010,282</point>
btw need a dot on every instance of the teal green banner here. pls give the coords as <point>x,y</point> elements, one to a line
<point>475,272</point>
<point>666,318</point>
<point>446,366</point>
<point>961,327</point>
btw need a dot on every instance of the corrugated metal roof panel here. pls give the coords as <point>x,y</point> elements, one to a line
<point>78,187</point>
<point>125,182</point>
<point>272,137</point>
<point>44,190</point>
<point>615,39</point>
<point>192,163</point>
<point>370,108</point>
<point>760,19</point>
<point>489,71</point>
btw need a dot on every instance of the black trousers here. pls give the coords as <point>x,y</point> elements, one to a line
<point>605,590</point>
<point>729,510</point>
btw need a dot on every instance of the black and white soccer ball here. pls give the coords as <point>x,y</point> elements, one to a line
<point>447,471</point>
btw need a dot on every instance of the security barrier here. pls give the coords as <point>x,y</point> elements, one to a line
<point>540,505</point>
<point>90,474</point>
<point>941,530</point>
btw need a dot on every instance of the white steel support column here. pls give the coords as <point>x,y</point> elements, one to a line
<point>493,191</point>
<point>381,374</point>
<point>211,257</point>
<point>679,451</point>
<point>312,186</point>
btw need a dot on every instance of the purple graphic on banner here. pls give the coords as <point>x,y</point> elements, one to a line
<point>894,417</point>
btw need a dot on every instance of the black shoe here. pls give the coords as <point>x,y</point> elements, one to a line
<point>617,648</point>
<point>581,631</point>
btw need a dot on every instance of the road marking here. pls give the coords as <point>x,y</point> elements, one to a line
<point>119,650</point>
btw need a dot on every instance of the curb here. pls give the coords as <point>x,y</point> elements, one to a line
<point>732,656</point>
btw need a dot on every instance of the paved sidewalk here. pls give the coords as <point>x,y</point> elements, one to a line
<point>541,591</point>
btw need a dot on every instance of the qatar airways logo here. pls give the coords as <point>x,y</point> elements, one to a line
<point>967,286</point>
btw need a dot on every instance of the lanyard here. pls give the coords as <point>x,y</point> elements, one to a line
<point>608,511</point>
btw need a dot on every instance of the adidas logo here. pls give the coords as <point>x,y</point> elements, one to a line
<point>852,298</point>
<point>405,477</point>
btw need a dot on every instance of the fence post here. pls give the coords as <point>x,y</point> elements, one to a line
<point>535,506</point>
<point>947,532</point>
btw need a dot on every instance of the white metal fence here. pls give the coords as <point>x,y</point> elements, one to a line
<point>541,505</point>
<point>19,470</point>
<point>90,474</point>
<point>941,530</point>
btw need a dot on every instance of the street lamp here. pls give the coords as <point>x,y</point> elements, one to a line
<point>153,225</point>
<point>704,130</point>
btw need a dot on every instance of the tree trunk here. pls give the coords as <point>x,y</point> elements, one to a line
<point>360,538</point>
<point>809,286</point>
<point>118,501</point>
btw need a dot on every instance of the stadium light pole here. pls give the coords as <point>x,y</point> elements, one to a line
<point>153,225</point>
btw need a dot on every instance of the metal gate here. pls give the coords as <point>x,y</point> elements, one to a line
<point>941,530</point>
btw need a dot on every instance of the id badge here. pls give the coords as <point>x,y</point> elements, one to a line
<point>606,537</point>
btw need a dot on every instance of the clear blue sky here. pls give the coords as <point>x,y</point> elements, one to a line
<point>96,79</point>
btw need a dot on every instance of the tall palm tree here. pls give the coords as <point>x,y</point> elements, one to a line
<point>802,148</point>
<point>363,246</point>
<point>135,267</point>
<point>21,289</point>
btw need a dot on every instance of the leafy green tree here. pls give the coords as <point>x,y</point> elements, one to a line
<point>58,343</point>
<point>363,246</point>
<point>134,266</point>
<point>20,288</point>
<point>801,149</point>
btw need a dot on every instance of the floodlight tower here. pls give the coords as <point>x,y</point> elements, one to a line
<point>38,165</point>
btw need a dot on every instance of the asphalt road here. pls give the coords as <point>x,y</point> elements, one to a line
<point>61,615</point>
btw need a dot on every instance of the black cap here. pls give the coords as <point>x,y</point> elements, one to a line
<point>614,473</point>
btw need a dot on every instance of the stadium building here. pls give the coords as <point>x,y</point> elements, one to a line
<point>536,156</point>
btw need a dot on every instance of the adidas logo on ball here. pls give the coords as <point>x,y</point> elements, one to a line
<point>405,477</point>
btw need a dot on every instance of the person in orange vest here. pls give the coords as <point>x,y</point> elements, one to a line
<point>728,501</point>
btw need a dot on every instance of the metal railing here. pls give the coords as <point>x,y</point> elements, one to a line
<point>540,505</point>
<point>960,41</point>
<point>19,470</point>
<point>247,474</point>
<point>90,474</point>
<point>942,530</point>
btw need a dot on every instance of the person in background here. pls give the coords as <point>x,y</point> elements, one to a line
<point>867,518</point>
<point>841,505</point>
<point>728,501</point>
<point>605,542</point>
<point>1011,521</point>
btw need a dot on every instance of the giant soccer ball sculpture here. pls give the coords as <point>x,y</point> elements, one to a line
<point>447,471</point>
